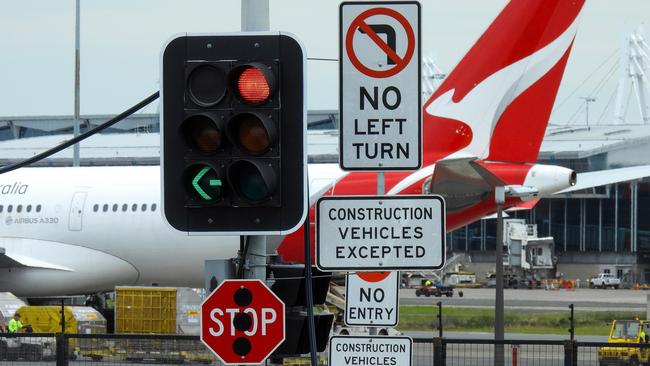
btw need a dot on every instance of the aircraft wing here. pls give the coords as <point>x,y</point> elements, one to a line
<point>610,176</point>
<point>17,260</point>
<point>8,262</point>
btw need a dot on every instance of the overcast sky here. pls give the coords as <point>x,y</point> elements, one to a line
<point>121,42</point>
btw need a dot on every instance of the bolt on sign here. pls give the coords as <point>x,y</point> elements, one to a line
<point>379,68</point>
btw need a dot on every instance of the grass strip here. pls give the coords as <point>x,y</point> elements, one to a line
<point>516,321</point>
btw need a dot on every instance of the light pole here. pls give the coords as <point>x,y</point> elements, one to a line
<point>500,199</point>
<point>587,101</point>
<point>500,194</point>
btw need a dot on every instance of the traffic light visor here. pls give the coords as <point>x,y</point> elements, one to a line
<point>253,83</point>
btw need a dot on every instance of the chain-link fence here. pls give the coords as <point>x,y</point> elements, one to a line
<point>130,349</point>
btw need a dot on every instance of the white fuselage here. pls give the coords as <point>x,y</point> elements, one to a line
<point>93,228</point>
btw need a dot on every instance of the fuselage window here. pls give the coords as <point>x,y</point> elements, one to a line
<point>0,208</point>
<point>19,208</point>
<point>144,207</point>
<point>115,207</point>
<point>10,208</point>
<point>95,208</point>
<point>134,207</point>
<point>105,208</point>
<point>125,207</point>
<point>38,208</point>
<point>153,207</point>
<point>28,208</point>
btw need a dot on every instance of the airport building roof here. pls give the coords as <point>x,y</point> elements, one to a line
<point>141,145</point>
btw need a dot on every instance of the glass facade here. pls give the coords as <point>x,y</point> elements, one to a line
<point>599,221</point>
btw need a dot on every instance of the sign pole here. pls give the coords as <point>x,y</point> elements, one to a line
<point>381,188</point>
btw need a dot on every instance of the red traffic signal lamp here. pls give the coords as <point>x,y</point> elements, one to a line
<point>233,158</point>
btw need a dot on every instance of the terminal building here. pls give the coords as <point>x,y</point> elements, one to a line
<point>606,229</point>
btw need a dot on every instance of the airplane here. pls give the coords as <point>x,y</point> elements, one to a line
<point>82,230</point>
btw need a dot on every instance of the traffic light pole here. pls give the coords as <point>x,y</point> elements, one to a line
<point>255,260</point>
<point>255,17</point>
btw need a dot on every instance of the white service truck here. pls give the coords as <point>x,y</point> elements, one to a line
<point>605,280</point>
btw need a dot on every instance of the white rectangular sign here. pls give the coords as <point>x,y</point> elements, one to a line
<point>371,298</point>
<point>382,350</point>
<point>363,233</point>
<point>379,97</point>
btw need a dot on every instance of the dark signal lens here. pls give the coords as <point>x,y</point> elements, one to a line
<point>202,133</point>
<point>206,85</point>
<point>203,183</point>
<point>252,182</point>
<point>253,83</point>
<point>253,132</point>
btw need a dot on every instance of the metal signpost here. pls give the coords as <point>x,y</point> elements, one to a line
<point>371,298</point>
<point>380,106</point>
<point>380,233</point>
<point>353,350</point>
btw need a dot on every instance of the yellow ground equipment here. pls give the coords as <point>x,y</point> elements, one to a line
<point>145,310</point>
<point>159,310</point>
<point>622,335</point>
<point>78,320</point>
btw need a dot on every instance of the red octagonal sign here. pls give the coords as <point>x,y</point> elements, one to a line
<point>242,322</point>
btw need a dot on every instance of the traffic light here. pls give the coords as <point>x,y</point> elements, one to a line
<point>232,133</point>
<point>289,286</point>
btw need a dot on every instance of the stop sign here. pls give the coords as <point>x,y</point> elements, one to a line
<point>242,322</point>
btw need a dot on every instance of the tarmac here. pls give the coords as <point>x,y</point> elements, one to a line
<point>538,299</point>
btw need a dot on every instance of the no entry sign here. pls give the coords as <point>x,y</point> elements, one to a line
<point>351,350</point>
<point>380,105</point>
<point>371,298</point>
<point>366,233</point>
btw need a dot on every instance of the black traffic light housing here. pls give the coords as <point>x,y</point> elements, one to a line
<point>233,124</point>
<point>289,286</point>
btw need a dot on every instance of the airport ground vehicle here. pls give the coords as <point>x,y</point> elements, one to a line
<point>436,290</point>
<point>622,333</point>
<point>604,280</point>
<point>78,320</point>
<point>528,258</point>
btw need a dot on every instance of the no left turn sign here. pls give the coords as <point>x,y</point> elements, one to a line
<point>380,102</point>
<point>394,62</point>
